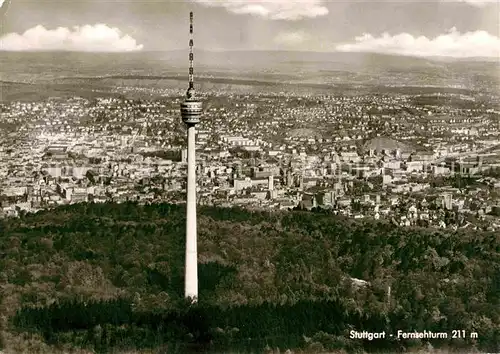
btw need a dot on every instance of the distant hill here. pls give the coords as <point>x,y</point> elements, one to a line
<point>60,64</point>
<point>98,74</point>
<point>353,59</point>
<point>332,60</point>
<point>388,144</point>
<point>304,133</point>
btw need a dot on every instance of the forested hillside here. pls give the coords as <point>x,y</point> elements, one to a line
<point>109,277</point>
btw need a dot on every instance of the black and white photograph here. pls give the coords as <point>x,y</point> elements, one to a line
<point>249,176</point>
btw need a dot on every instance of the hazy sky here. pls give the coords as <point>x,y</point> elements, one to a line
<point>432,27</point>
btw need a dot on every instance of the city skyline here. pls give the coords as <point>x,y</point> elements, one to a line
<point>434,28</point>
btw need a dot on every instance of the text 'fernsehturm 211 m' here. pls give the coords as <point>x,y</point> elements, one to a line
<point>191,110</point>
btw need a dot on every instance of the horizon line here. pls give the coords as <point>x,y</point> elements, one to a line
<point>490,59</point>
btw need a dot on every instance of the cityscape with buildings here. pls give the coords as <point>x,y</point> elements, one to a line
<point>376,156</point>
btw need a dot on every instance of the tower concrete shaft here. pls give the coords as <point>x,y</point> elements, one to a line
<point>191,270</point>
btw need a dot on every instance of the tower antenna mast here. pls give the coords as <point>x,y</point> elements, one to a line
<point>190,92</point>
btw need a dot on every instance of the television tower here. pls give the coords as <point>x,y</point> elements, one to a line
<point>191,110</point>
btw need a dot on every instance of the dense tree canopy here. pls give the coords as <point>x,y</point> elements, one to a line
<point>111,276</point>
